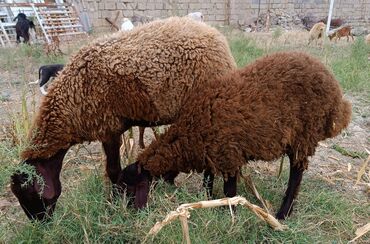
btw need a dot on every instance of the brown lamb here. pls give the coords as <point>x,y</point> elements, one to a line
<point>135,78</point>
<point>341,32</point>
<point>284,103</point>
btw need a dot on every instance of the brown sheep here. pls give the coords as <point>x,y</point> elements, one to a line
<point>135,78</point>
<point>341,32</point>
<point>284,103</point>
<point>334,23</point>
<point>316,32</point>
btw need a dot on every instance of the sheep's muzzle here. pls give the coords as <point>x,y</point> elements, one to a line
<point>34,205</point>
<point>38,195</point>
<point>135,181</point>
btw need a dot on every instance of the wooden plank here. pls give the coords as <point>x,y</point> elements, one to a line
<point>62,27</point>
<point>2,5</point>
<point>4,32</point>
<point>61,19</point>
<point>1,40</point>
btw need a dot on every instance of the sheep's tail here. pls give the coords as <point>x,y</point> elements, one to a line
<point>340,118</point>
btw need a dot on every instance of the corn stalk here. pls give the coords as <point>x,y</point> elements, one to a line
<point>183,213</point>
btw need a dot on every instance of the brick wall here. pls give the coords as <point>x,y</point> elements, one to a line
<point>234,12</point>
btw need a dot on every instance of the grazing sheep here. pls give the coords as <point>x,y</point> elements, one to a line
<point>316,32</point>
<point>341,32</point>
<point>284,103</point>
<point>45,73</point>
<point>22,27</point>
<point>135,78</point>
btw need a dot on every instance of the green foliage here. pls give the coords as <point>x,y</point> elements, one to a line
<point>278,32</point>
<point>244,50</point>
<point>349,153</point>
<point>85,214</point>
<point>353,70</point>
<point>19,57</point>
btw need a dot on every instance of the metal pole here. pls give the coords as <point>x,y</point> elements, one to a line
<point>329,16</point>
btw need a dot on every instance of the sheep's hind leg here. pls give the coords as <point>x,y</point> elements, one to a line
<point>208,182</point>
<point>111,149</point>
<point>230,186</point>
<point>295,178</point>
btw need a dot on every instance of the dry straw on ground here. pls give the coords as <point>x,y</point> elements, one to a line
<point>361,231</point>
<point>183,213</point>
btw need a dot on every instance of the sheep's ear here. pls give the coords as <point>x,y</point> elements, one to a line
<point>141,194</point>
<point>48,188</point>
<point>50,169</point>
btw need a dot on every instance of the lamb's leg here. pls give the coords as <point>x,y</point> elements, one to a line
<point>141,137</point>
<point>111,149</point>
<point>208,182</point>
<point>295,178</point>
<point>230,186</point>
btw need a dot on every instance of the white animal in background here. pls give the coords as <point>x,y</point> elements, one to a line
<point>198,16</point>
<point>126,25</point>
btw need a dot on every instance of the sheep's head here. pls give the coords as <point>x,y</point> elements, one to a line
<point>135,181</point>
<point>331,36</point>
<point>38,199</point>
<point>20,16</point>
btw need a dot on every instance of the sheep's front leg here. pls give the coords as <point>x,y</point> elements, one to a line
<point>111,149</point>
<point>208,182</point>
<point>18,38</point>
<point>230,186</point>
<point>295,179</point>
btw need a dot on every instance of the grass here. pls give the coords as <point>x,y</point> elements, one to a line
<point>19,58</point>
<point>349,153</point>
<point>86,212</point>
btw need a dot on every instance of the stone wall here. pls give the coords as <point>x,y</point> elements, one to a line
<point>234,12</point>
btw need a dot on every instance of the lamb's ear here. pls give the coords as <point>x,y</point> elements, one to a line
<point>141,194</point>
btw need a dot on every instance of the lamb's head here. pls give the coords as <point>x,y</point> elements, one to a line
<point>38,195</point>
<point>135,181</point>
